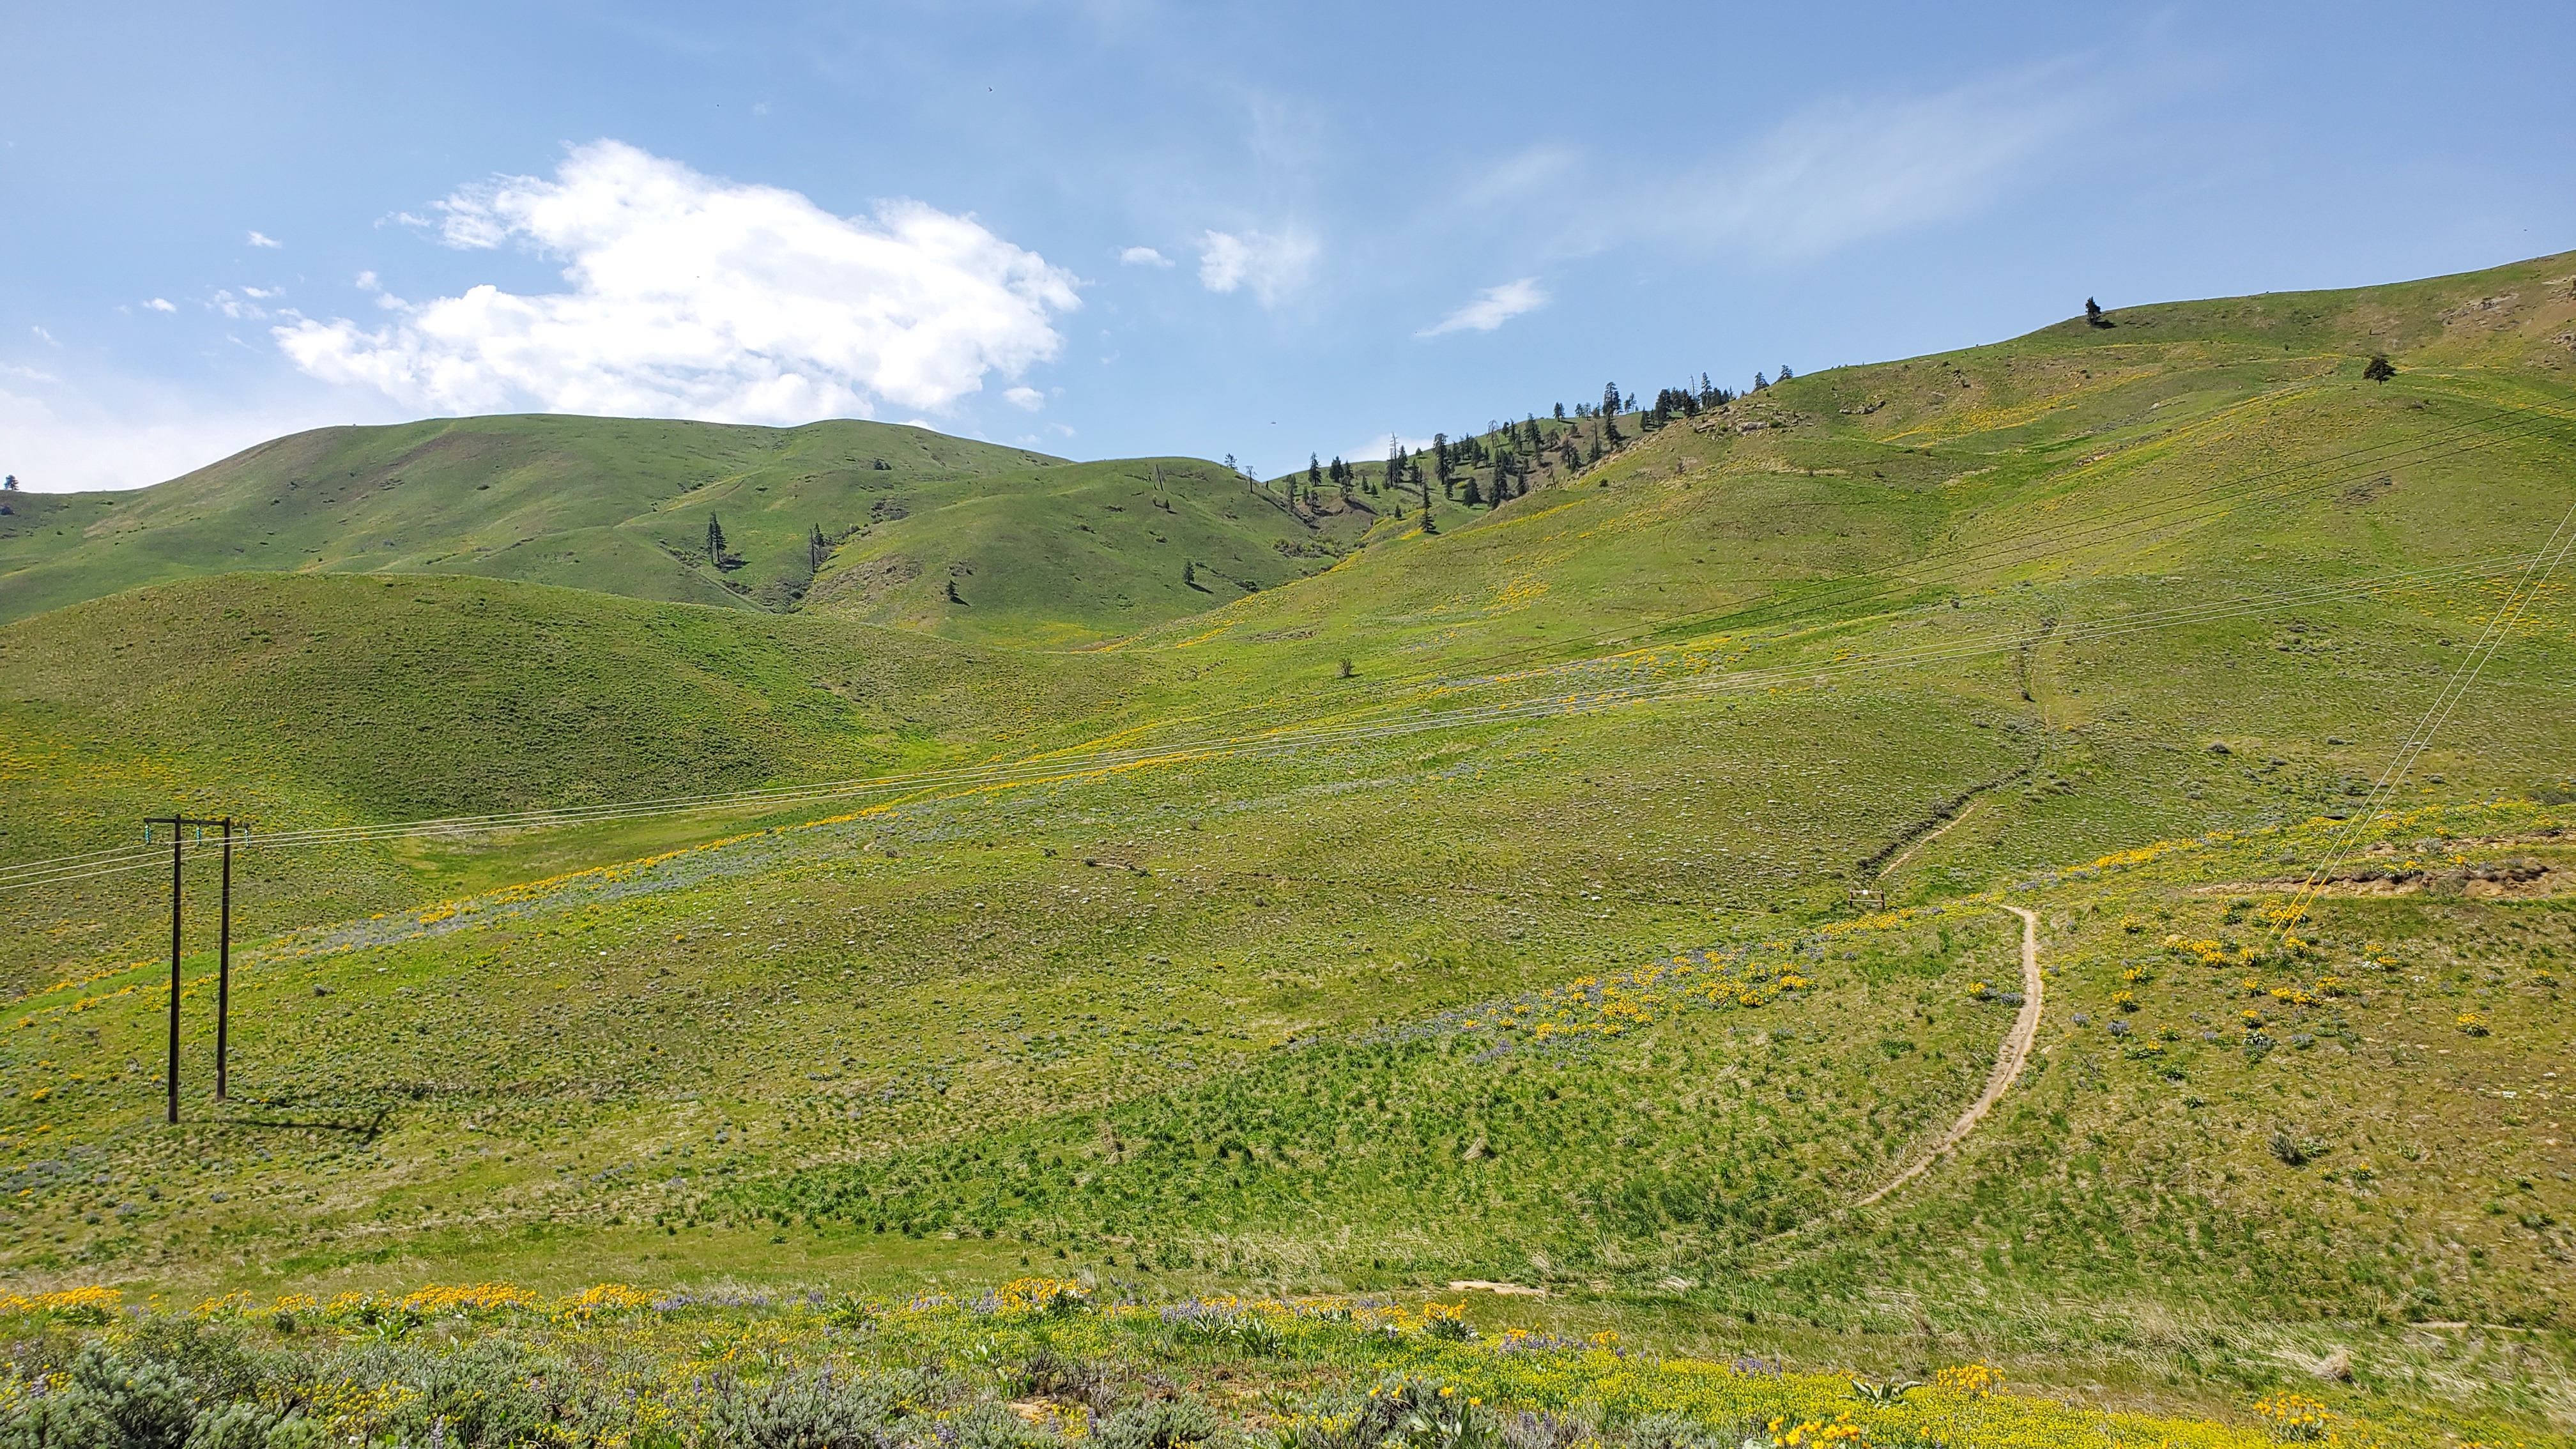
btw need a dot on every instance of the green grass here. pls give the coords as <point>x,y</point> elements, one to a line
<point>1041,550</point>
<point>1228,1019</point>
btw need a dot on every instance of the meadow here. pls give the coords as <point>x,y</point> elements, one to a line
<point>1477,908</point>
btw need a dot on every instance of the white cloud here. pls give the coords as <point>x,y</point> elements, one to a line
<point>1269,265</point>
<point>1515,180</point>
<point>161,304</point>
<point>43,336</point>
<point>258,240</point>
<point>1492,307</point>
<point>237,308</point>
<point>1143,257</point>
<point>1846,171</point>
<point>56,439</point>
<point>1376,449</point>
<point>1025,397</point>
<point>697,297</point>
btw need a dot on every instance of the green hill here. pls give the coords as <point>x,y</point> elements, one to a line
<point>1509,935</point>
<point>889,514</point>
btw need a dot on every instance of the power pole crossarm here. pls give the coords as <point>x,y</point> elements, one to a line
<point>223,954</point>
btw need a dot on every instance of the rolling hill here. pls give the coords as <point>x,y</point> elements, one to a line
<point>1480,908</point>
<point>889,515</point>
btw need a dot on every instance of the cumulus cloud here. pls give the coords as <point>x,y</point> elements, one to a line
<point>1143,257</point>
<point>1491,308</point>
<point>258,240</point>
<point>1269,265</point>
<point>161,304</point>
<point>1025,397</point>
<point>693,296</point>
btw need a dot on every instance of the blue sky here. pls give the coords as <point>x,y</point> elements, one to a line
<point>1126,228</point>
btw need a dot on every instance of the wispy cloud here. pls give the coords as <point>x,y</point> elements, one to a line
<point>1845,171</point>
<point>1143,257</point>
<point>1270,265</point>
<point>1024,397</point>
<point>259,239</point>
<point>694,296</point>
<point>1491,308</point>
<point>1516,178</point>
<point>61,438</point>
<point>1376,449</point>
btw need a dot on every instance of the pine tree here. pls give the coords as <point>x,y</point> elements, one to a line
<point>2093,313</point>
<point>1440,458</point>
<point>1474,497</point>
<point>1785,373</point>
<point>715,542</point>
<point>2380,369</point>
<point>1190,574</point>
<point>818,549</point>
<point>952,593</point>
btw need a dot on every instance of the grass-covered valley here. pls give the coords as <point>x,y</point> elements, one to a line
<point>1348,910</point>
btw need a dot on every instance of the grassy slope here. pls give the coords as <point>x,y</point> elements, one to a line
<point>823,1052</point>
<point>1076,554</point>
<point>339,698</point>
<point>621,506</point>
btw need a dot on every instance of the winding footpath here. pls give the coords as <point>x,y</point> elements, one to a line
<point>2008,1063</point>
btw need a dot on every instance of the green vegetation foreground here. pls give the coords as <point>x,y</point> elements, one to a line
<point>1566,989</point>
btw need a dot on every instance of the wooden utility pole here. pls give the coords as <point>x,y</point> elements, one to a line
<point>179,826</point>
<point>224,972</point>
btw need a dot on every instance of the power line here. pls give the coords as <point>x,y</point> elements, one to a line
<point>2117,526</point>
<point>2446,701</point>
<point>1361,728</point>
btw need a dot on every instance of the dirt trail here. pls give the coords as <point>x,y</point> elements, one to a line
<point>1928,839</point>
<point>2008,1063</point>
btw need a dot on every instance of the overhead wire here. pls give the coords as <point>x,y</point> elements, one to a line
<point>2120,524</point>
<point>2446,702</point>
<point>1385,724</point>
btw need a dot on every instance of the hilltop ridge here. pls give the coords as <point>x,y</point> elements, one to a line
<point>1608,891</point>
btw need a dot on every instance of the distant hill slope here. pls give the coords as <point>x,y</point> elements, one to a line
<point>622,506</point>
<point>1471,967</point>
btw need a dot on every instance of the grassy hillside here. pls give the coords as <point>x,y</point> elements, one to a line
<point>1078,554</point>
<point>621,506</point>
<point>1513,940</point>
<point>331,699</point>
